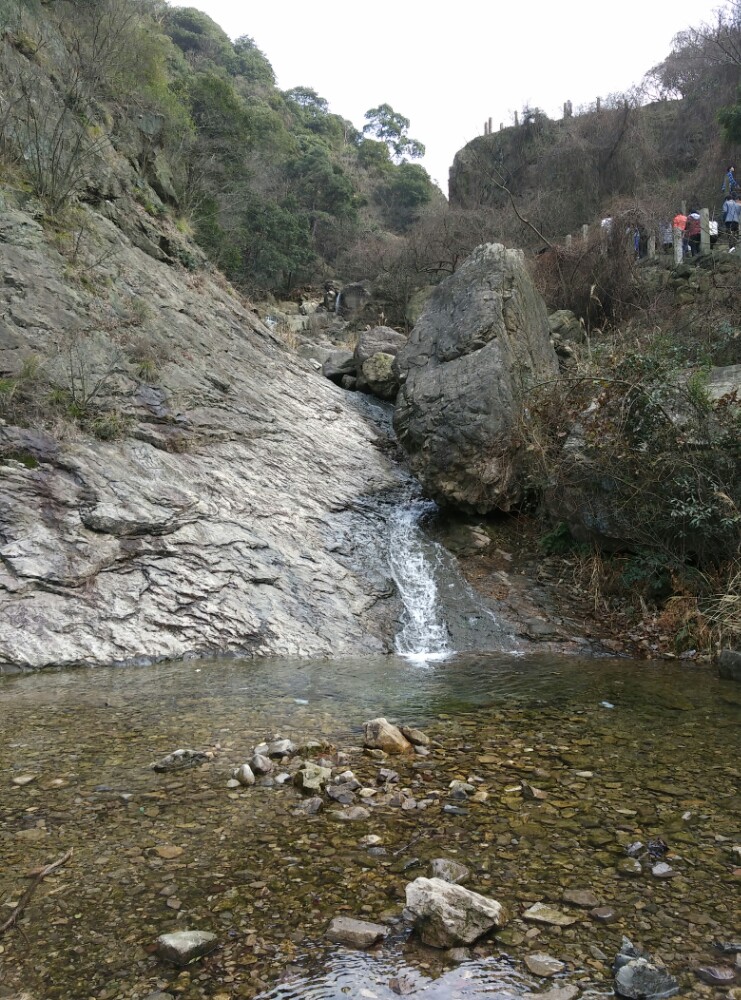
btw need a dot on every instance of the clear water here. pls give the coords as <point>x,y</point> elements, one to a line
<point>664,760</point>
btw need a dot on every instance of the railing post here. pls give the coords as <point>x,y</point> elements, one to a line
<point>652,246</point>
<point>705,230</point>
<point>678,241</point>
<point>567,240</point>
<point>585,233</point>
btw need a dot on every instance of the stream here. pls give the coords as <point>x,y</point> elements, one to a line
<point>573,762</point>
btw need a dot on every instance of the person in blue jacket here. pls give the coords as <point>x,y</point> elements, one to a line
<point>730,182</point>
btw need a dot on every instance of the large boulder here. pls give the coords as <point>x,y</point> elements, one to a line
<point>482,338</point>
<point>378,340</point>
<point>447,915</point>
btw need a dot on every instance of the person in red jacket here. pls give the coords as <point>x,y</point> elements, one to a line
<point>679,222</point>
<point>692,231</point>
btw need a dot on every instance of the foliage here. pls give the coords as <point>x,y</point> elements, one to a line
<point>390,127</point>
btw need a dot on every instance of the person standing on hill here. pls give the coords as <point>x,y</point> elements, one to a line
<point>731,215</point>
<point>730,182</point>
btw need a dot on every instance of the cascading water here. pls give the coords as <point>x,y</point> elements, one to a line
<point>412,556</point>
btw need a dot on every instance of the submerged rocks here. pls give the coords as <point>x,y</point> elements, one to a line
<point>356,933</point>
<point>184,947</point>
<point>482,337</point>
<point>179,759</point>
<point>637,978</point>
<point>447,915</point>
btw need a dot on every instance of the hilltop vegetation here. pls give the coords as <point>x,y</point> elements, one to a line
<point>272,184</point>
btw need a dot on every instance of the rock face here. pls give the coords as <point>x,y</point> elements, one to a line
<point>223,519</point>
<point>482,338</point>
<point>448,915</point>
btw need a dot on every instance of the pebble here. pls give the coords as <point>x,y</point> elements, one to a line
<point>355,933</point>
<point>629,868</point>
<point>24,779</point>
<point>716,975</point>
<point>663,870</point>
<point>603,915</point>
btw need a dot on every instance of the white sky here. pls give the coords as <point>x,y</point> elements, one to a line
<point>450,66</point>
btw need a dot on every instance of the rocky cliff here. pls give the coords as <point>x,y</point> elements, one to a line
<point>193,488</point>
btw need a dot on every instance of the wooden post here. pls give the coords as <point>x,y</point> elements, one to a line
<point>599,103</point>
<point>501,126</point>
<point>652,245</point>
<point>678,240</point>
<point>567,240</point>
<point>585,233</point>
<point>490,126</point>
<point>517,119</point>
<point>684,208</point>
<point>705,230</point>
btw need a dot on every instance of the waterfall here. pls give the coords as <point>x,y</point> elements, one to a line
<point>412,558</point>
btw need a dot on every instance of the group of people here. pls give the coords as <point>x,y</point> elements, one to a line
<point>690,227</point>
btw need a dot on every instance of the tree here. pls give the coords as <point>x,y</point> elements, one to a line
<point>391,127</point>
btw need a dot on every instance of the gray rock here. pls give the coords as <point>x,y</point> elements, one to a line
<point>309,807</point>
<point>447,915</point>
<point>352,298</point>
<point>629,868</point>
<point>261,764</point>
<point>556,993</point>
<point>228,524</point>
<point>543,965</point>
<point>179,759</point>
<point>483,335</point>
<point>184,947</point>
<point>449,871</point>
<point>338,365</point>
<point>355,814</point>
<point>415,736</point>
<point>639,979</point>
<point>378,340</point>
<point>716,975</point>
<point>356,933</point>
<point>281,748</point>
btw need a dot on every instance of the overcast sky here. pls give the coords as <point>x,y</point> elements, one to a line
<point>451,66</point>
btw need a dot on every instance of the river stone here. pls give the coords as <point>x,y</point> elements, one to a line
<point>583,898</point>
<point>446,915</point>
<point>281,748</point>
<point>184,947</point>
<point>309,807</point>
<point>244,775</point>
<point>449,871</point>
<point>543,965</point>
<point>482,337</point>
<point>312,777</point>
<point>354,814</point>
<point>179,759</point>
<point>380,734</point>
<point>640,979</point>
<point>541,913</point>
<point>729,664</point>
<point>261,764</point>
<point>355,933</point>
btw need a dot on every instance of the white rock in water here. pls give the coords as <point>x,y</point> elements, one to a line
<point>448,915</point>
<point>244,775</point>
<point>184,947</point>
